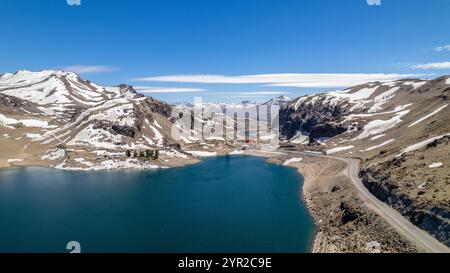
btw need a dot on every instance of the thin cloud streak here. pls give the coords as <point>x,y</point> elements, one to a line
<point>264,93</point>
<point>283,79</point>
<point>151,89</point>
<point>439,65</point>
<point>89,69</point>
<point>442,48</point>
<point>256,93</point>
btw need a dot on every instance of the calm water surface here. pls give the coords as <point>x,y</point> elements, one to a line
<point>223,204</point>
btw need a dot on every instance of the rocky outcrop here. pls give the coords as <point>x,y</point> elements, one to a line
<point>434,220</point>
<point>159,107</point>
<point>280,101</point>
<point>124,130</point>
<point>349,214</point>
<point>317,120</point>
<point>326,130</point>
<point>125,89</point>
<point>13,102</point>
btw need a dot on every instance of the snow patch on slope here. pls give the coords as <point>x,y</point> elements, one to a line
<point>299,138</point>
<point>421,144</point>
<point>292,160</point>
<point>427,116</point>
<point>121,114</point>
<point>98,138</point>
<point>378,146</point>
<point>83,161</point>
<point>376,127</point>
<point>377,137</point>
<point>5,121</point>
<point>436,165</point>
<point>174,153</point>
<point>382,99</point>
<point>202,153</point>
<point>54,154</point>
<point>158,136</point>
<point>418,84</point>
<point>14,160</point>
<point>112,164</point>
<point>339,149</point>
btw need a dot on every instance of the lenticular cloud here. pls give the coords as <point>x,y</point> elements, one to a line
<point>285,79</point>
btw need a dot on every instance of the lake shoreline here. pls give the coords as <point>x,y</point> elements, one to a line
<point>255,153</point>
<point>285,229</point>
<point>276,158</point>
<point>321,200</point>
<point>156,166</point>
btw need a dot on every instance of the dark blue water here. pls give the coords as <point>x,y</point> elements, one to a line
<point>223,204</point>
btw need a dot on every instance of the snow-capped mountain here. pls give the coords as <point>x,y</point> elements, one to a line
<point>400,132</point>
<point>57,116</point>
<point>281,100</point>
<point>363,111</point>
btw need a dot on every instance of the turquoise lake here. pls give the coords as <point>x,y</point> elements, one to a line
<point>223,204</point>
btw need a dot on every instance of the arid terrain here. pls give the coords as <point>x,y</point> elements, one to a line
<point>344,223</point>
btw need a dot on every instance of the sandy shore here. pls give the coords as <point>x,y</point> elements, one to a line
<point>31,157</point>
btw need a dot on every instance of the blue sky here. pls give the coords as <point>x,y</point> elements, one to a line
<point>148,43</point>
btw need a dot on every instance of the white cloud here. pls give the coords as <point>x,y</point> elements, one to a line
<point>243,96</point>
<point>264,93</point>
<point>151,89</point>
<point>256,93</point>
<point>283,79</point>
<point>89,69</point>
<point>73,2</point>
<point>443,48</point>
<point>441,65</point>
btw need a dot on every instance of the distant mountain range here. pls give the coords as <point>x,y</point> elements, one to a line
<point>281,100</point>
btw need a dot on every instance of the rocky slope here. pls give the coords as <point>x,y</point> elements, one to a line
<point>399,130</point>
<point>417,185</point>
<point>281,100</point>
<point>343,222</point>
<point>56,118</point>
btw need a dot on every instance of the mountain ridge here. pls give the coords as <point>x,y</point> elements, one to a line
<point>83,116</point>
<point>398,130</point>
